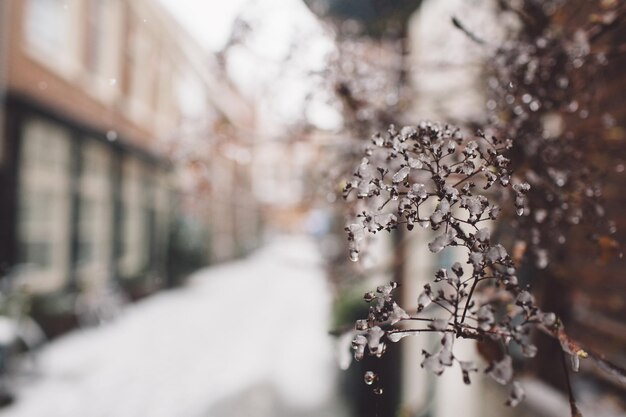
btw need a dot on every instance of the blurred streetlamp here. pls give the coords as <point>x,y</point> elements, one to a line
<point>384,22</point>
<point>376,18</point>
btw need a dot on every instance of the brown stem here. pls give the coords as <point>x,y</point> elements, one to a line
<point>478,171</point>
<point>469,299</point>
<point>572,401</point>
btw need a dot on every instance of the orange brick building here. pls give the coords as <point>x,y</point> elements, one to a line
<point>93,95</point>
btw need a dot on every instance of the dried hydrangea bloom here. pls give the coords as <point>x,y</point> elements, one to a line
<point>433,176</point>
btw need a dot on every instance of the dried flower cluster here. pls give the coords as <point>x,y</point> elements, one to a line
<point>430,175</point>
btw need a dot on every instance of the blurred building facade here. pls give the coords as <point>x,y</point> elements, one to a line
<point>96,97</point>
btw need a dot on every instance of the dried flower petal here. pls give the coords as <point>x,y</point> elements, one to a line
<point>516,395</point>
<point>502,372</point>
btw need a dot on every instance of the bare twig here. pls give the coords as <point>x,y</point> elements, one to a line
<point>572,401</point>
<point>457,24</point>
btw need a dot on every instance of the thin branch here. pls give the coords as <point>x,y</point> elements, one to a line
<point>457,23</point>
<point>469,299</point>
<point>572,401</point>
<point>466,178</point>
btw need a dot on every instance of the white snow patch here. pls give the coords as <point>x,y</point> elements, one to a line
<point>178,353</point>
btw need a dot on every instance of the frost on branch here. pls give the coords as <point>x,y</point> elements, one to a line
<point>430,175</point>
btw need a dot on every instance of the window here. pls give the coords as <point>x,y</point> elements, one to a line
<point>44,204</point>
<point>162,208</point>
<point>95,45</point>
<point>133,260</point>
<point>47,25</point>
<point>53,34</point>
<point>143,61</point>
<point>103,44</point>
<point>95,215</point>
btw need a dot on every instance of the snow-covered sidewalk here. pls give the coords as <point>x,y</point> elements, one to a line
<point>250,335</point>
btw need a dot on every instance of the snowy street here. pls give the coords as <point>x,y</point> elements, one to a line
<point>245,338</point>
